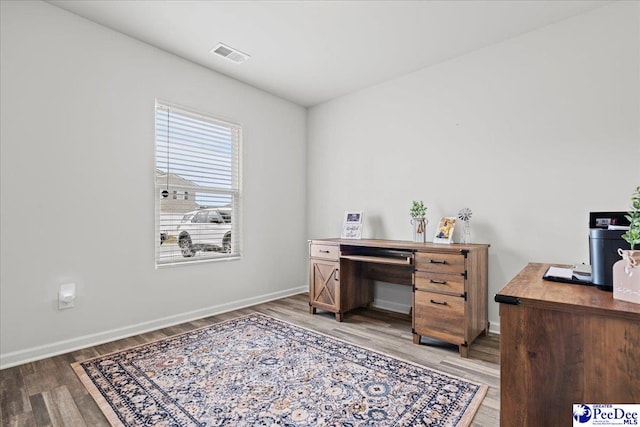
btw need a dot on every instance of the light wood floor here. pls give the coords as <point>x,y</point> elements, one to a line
<point>48,393</point>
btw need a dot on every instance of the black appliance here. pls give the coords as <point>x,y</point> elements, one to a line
<point>604,241</point>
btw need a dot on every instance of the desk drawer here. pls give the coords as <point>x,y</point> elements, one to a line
<point>437,282</point>
<point>439,316</point>
<point>331,252</point>
<point>439,262</point>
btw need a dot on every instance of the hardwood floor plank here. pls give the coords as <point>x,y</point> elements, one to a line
<point>65,375</point>
<point>40,376</point>
<point>62,408</point>
<point>20,420</point>
<point>90,412</point>
<point>48,392</point>
<point>13,403</point>
<point>40,411</point>
<point>84,354</point>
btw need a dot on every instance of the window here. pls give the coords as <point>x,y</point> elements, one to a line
<point>197,181</point>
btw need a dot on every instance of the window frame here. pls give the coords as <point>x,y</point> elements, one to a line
<point>190,192</point>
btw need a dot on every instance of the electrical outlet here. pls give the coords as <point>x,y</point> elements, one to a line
<point>66,296</point>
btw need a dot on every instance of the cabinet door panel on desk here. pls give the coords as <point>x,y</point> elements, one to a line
<point>439,316</point>
<point>325,283</point>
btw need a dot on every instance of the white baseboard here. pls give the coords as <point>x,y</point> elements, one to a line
<point>15,358</point>
<point>494,328</point>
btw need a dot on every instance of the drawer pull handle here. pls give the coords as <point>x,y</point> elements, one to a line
<point>324,251</point>
<point>440,282</point>
<point>335,274</point>
<point>435,261</point>
<point>438,302</point>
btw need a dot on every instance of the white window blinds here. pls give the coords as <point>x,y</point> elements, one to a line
<point>197,181</point>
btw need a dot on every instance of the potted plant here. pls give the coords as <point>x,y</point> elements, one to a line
<point>418,211</point>
<point>626,272</point>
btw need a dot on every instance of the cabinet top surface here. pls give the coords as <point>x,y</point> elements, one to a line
<point>529,287</point>
<point>404,244</point>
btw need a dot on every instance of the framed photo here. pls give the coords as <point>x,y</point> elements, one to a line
<point>353,217</point>
<point>352,225</point>
<point>444,232</point>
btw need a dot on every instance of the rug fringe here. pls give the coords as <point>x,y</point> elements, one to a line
<point>471,410</point>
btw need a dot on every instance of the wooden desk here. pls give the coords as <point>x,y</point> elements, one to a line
<point>562,344</point>
<point>449,283</point>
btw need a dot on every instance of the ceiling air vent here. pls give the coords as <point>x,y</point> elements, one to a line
<point>230,53</point>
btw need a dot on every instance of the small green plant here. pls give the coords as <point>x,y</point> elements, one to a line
<point>418,209</point>
<point>633,235</point>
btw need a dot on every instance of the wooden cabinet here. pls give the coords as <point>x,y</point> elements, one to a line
<point>326,284</point>
<point>450,295</point>
<point>324,280</point>
<point>562,344</point>
<point>326,289</point>
<point>449,283</point>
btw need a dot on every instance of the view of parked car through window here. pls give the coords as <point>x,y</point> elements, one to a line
<point>205,230</point>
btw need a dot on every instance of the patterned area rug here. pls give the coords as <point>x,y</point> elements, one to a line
<point>259,371</point>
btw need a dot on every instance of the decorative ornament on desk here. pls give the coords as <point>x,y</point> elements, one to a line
<point>418,211</point>
<point>464,215</point>
<point>626,272</point>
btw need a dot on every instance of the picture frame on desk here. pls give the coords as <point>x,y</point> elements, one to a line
<point>444,231</point>
<point>352,225</point>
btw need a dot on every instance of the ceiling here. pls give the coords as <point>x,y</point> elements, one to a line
<point>309,52</point>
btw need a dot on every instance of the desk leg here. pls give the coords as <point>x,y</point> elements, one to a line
<point>339,316</point>
<point>312,309</point>
<point>416,339</point>
<point>464,351</point>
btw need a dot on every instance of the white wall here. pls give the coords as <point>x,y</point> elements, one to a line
<point>532,134</point>
<point>77,182</point>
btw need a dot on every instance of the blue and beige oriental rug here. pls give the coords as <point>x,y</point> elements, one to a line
<point>259,371</point>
